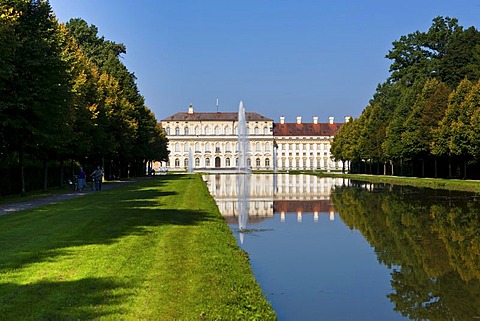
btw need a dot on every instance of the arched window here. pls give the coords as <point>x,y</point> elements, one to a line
<point>177,147</point>
<point>186,148</point>
<point>227,162</point>
<point>228,130</point>
<point>217,148</point>
<point>249,162</point>
<point>177,131</point>
<point>207,130</point>
<point>228,148</point>
<point>186,131</point>
<point>197,162</point>
<point>197,147</point>
<point>185,162</point>
<point>257,162</point>
<point>177,162</point>
<point>265,130</point>
<point>256,131</point>
<point>197,130</point>
<point>267,162</point>
<point>208,148</point>
<point>217,130</point>
<point>258,147</point>
<point>207,162</point>
<point>267,146</point>
<point>167,130</point>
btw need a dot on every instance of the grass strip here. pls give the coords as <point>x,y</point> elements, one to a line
<point>155,249</point>
<point>434,183</point>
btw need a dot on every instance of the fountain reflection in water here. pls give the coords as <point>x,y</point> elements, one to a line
<point>243,182</point>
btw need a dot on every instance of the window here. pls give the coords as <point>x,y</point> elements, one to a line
<point>186,148</point>
<point>227,162</point>
<point>217,148</point>
<point>185,162</point>
<point>217,130</point>
<point>258,147</point>
<point>177,162</point>
<point>207,130</point>
<point>249,162</point>
<point>267,146</point>
<point>228,148</point>
<point>256,131</point>
<point>168,130</point>
<point>257,162</point>
<point>267,162</point>
<point>177,147</point>
<point>197,162</point>
<point>177,131</point>
<point>265,131</point>
<point>207,162</point>
<point>228,130</point>
<point>197,130</point>
<point>197,148</point>
<point>186,131</point>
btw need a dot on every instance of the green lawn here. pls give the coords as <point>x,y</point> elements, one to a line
<point>155,249</point>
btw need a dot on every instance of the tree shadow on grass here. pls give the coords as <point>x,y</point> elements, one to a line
<point>46,233</point>
<point>85,299</point>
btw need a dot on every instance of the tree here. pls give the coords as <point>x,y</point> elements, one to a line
<point>35,110</point>
<point>422,121</point>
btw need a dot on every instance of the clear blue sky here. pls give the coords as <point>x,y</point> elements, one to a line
<point>281,57</point>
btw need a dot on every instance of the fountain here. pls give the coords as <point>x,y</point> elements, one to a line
<point>190,161</point>
<point>243,182</point>
<point>242,140</point>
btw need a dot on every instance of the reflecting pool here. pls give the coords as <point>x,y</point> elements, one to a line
<point>331,249</point>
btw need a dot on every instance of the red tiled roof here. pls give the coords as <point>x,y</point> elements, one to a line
<point>292,206</point>
<point>306,129</point>
<point>219,116</point>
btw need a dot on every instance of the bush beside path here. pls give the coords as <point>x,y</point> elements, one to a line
<point>154,249</point>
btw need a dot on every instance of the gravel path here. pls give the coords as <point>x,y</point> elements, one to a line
<point>9,208</point>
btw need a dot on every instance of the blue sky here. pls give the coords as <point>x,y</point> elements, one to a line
<point>280,57</point>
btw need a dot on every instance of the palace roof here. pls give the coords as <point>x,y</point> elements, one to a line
<point>306,129</point>
<point>218,116</point>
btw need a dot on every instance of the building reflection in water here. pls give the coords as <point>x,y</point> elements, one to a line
<point>267,194</point>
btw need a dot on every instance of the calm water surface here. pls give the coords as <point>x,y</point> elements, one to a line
<point>330,249</point>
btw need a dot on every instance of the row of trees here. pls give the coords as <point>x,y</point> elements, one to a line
<point>424,120</point>
<point>67,98</point>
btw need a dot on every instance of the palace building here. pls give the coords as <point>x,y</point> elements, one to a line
<point>210,141</point>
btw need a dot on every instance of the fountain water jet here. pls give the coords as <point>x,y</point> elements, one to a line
<point>243,177</point>
<point>190,160</point>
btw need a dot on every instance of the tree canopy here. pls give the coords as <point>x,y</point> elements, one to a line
<point>426,111</point>
<point>65,95</point>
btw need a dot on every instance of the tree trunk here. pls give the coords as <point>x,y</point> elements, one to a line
<point>45,175</point>
<point>449,166</point>
<point>22,173</point>
<point>423,167</point>
<point>391,165</point>
<point>384,168</point>
<point>61,174</point>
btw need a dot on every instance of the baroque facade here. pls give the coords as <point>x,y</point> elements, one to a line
<point>209,141</point>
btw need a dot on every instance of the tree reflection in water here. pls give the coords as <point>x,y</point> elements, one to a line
<point>430,238</point>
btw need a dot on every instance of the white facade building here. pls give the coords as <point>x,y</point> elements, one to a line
<point>210,141</point>
<point>305,146</point>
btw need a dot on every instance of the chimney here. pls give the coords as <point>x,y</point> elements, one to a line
<point>282,120</point>
<point>331,119</point>
<point>315,120</point>
<point>348,119</point>
<point>190,109</point>
<point>299,119</point>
